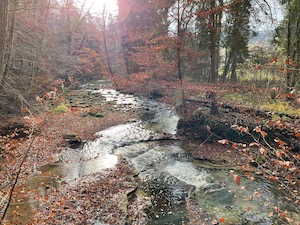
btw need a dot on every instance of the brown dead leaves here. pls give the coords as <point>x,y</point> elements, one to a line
<point>97,197</point>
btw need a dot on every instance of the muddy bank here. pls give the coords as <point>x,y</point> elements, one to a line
<point>199,123</point>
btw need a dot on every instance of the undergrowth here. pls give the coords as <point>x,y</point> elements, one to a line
<point>258,101</point>
<point>280,106</point>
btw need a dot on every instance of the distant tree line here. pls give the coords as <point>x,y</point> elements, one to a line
<point>50,41</point>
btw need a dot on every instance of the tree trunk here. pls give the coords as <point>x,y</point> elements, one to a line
<point>3,37</point>
<point>45,25</point>
<point>213,59</point>
<point>288,50</point>
<point>179,41</point>
<point>104,41</point>
<point>297,47</point>
<point>69,37</point>
<point>226,67</point>
<point>179,64</point>
<point>10,42</point>
<point>213,45</point>
<point>233,71</point>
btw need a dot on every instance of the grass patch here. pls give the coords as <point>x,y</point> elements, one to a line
<point>236,97</point>
<point>281,107</point>
<point>61,108</point>
<point>250,99</point>
<point>258,102</point>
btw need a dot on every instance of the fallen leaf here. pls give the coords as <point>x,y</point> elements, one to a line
<point>235,145</point>
<point>257,129</point>
<point>215,222</point>
<point>254,144</point>
<point>223,142</point>
<point>262,150</point>
<point>280,142</point>
<point>272,178</point>
<point>263,133</point>
<point>256,120</point>
<point>237,179</point>
<point>208,128</point>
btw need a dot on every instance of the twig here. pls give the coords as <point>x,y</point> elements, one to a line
<point>211,134</point>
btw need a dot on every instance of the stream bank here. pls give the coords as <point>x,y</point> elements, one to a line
<point>194,124</point>
<point>157,182</point>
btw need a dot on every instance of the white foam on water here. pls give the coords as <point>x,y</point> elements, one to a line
<point>186,172</point>
<point>119,98</point>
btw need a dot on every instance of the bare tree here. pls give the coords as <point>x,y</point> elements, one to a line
<point>3,38</point>
<point>104,20</point>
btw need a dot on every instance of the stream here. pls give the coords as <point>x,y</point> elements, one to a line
<point>167,171</point>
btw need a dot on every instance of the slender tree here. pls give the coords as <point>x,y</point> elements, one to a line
<point>3,37</point>
<point>288,37</point>
<point>104,21</point>
<point>185,13</point>
<point>209,23</point>
<point>214,25</point>
<point>236,36</point>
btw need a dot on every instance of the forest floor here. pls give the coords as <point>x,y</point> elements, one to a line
<point>79,200</point>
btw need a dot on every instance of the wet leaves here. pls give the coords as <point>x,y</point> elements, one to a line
<point>48,143</point>
<point>96,197</point>
<point>263,133</point>
<point>199,216</point>
<point>237,179</point>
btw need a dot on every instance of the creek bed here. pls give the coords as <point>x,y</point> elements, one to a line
<point>167,173</point>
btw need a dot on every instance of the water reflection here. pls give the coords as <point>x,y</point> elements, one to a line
<point>75,170</point>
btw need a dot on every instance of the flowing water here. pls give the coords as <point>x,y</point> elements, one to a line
<point>169,175</point>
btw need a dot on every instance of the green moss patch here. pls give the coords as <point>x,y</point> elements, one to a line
<point>61,108</point>
<point>236,97</point>
<point>281,107</point>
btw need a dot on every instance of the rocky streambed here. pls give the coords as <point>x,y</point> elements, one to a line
<point>161,179</point>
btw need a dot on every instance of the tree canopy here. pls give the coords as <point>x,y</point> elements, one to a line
<point>209,41</point>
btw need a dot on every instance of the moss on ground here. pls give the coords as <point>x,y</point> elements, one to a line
<point>252,100</point>
<point>281,107</point>
<point>61,108</point>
